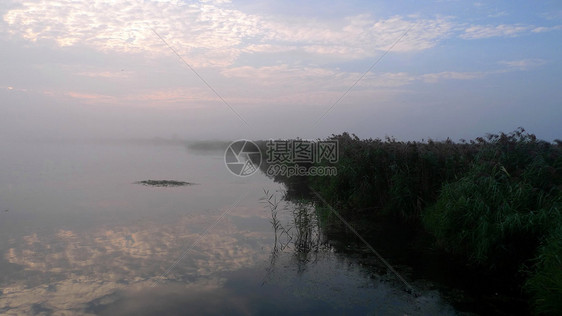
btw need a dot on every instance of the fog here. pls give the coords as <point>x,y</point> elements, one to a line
<point>110,108</point>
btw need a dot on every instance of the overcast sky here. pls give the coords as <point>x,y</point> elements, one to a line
<point>458,69</point>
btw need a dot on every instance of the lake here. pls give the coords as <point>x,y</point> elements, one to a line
<point>78,236</point>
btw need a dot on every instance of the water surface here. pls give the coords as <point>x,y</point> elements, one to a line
<point>78,235</point>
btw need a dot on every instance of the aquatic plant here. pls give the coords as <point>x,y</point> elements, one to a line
<point>163,183</point>
<point>301,234</point>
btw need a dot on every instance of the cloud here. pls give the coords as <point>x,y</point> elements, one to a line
<point>13,89</point>
<point>248,51</point>
<point>498,14</point>
<point>310,79</point>
<point>435,77</point>
<point>127,27</point>
<point>306,78</point>
<point>523,64</point>
<point>268,48</point>
<point>212,33</point>
<point>96,98</point>
<point>274,85</point>
<point>361,35</point>
<point>552,14</point>
<point>158,97</point>
<point>286,84</point>
<point>104,74</point>
<point>514,65</point>
<point>487,31</point>
<point>542,29</point>
<point>504,30</point>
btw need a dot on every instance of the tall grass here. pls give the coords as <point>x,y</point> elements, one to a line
<point>545,283</point>
<point>399,178</point>
<point>496,200</point>
<point>505,213</point>
<point>301,234</point>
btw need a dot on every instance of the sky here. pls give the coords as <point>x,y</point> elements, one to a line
<point>220,69</point>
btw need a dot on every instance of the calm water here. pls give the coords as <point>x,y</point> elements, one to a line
<point>77,236</point>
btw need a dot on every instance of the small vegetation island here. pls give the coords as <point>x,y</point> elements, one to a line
<point>164,183</point>
<point>495,202</point>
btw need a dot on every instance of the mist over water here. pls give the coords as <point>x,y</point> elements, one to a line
<point>77,234</point>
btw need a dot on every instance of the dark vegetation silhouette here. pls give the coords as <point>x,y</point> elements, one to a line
<point>164,183</point>
<point>495,201</point>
